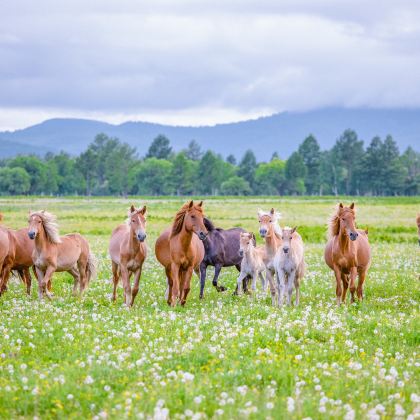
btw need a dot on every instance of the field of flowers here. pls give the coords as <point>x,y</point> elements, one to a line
<point>225,356</point>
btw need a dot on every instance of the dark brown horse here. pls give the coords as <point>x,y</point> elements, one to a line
<point>347,253</point>
<point>180,250</point>
<point>221,250</point>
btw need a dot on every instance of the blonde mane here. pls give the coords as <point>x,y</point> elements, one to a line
<point>179,218</point>
<point>334,222</point>
<point>49,221</point>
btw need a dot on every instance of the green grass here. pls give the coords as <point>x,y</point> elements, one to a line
<point>225,356</point>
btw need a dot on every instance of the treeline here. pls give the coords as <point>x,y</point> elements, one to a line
<point>110,167</point>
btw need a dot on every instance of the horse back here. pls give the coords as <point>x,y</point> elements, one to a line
<point>117,237</point>
<point>162,248</point>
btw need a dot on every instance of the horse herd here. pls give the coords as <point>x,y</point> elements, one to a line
<point>191,243</point>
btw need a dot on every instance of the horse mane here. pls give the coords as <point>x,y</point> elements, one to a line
<point>179,218</point>
<point>334,222</point>
<point>209,224</point>
<point>49,221</point>
<point>276,217</point>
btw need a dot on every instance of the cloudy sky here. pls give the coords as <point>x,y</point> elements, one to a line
<point>203,62</point>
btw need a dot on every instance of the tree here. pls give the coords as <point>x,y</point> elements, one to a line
<point>212,171</point>
<point>348,153</point>
<point>160,148</point>
<point>14,181</point>
<point>193,151</point>
<point>151,177</point>
<point>311,154</point>
<point>270,177</point>
<point>410,159</point>
<point>86,164</point>
<point>295,172</point>
<point>247,167</point>
<point>235,186</point>
<point>183,174</point>
<point>231,159</point>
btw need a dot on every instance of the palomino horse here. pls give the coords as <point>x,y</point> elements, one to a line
<point>271,232</point>
<point>18,257</point>
<point>53,253</point>
<point>252,264</point>
<point>221,249</point>
<point>128,252</point>
<point>180,250</point>
<point>289,265</point>
<point>347,253</point>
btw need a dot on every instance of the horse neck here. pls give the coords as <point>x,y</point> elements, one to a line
<point>344,241</point>
<point>42,244</point>
<point>133,242</point>
<point>185,237</point>
<point>271,241</point>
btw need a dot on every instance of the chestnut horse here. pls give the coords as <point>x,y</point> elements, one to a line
<point>347,253</point>
<point>53,253</point>
<point>18,257</point>
<point>180,250</point>
<point>128,252</point>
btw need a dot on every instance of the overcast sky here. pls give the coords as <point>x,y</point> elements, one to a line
<point>203,62</point>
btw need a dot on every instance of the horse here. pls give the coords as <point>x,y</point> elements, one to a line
<point>289,265</point>
<point>17,258</point>
<point>180,250</point>
<point>347,252</point>
<point>53,252</point>
<point>221,249</point>
<point>128,252</point>
<point>252,261</point>
<point>271,232</point>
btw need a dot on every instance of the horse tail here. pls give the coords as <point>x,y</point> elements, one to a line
<point>91,267</point>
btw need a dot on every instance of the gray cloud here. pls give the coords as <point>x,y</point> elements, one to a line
<point>187,58</point>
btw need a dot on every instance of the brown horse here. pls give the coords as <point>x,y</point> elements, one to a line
<point>347,253</point>
<point>18,258</point>
<point>53,253</point>
<point>180,250</point>
<point>128,252</point>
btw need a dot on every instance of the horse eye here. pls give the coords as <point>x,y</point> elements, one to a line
<point>192,217</point>
<point>39,221</point>
<point>290,238</point>
<point>132,220</point>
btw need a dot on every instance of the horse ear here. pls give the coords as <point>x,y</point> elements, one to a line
<point>191,204</point>
<point>352,206</point>
<point>42,211</point>
<point>143,210</point>
<point>200,204</point>
<point>341,205</point>
<point>132,208</point>
<point>272,210</point>
<point>293,230</point>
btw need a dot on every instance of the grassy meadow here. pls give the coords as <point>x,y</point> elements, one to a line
<point>225,356</point>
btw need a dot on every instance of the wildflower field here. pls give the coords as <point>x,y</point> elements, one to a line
<point>225,356</point>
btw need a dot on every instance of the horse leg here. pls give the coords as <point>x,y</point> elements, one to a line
<point>362,276</point>
<point>241,277</point>
<point>203,272</point>
<point>281,286</point>
<point>168,292</point>
<point>353,275</point>
<point>82,276</point>
<point>137,276</point>
<point>173,297</point>
<point>47,278</point>
<point>290,284</point>
<point>217,269</point>
<point>185,284</point>
<point>297,293</point>
<point>28,280</point>
<point>271,282</point>
<point>125,277</point>
<point>338,288</point>
<point>115,280</point>
<point>7,268</point>
<point>345,281</point>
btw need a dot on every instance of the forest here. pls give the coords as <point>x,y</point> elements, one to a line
<point>111,167</point>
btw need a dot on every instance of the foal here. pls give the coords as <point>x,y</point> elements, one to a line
<point>252,261</point>
<point>347,253</point>
<point>289,265</point>
<point>271,232</point>
<point>128,252</point>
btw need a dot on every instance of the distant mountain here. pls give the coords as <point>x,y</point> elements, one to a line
<point>13,148</point>
<point>280,132</point>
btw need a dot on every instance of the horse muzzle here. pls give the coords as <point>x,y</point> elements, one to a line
<point>141,237</point>
<point>202,235</point>
<point>241,253</point>
<point>31,235</point>
<point>286,250</point>
<point>263,232</point>
<point>353,236</point>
